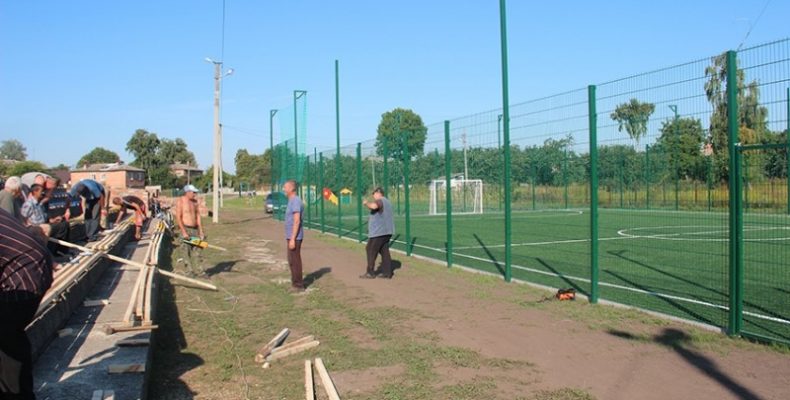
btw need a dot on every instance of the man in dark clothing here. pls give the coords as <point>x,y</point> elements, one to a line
<point>25,275</point>
<point>94,195</point>
<point>57,203</point>
<point>381,227</point>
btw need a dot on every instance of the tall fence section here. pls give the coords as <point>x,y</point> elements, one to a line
<point>667,190</point>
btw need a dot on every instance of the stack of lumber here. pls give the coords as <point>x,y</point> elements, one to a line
<point>139,308</point>
<point>276,348</point>
<point>70,273</point>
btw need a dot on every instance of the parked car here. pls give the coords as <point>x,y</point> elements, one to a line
<point>274,201</point>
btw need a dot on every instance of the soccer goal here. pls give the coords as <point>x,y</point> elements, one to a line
<point>467,196</point>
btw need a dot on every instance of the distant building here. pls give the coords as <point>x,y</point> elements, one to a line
<point>115,176</point>
<point>185,170</point>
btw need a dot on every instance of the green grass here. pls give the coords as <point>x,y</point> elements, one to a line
<point>681,255</point>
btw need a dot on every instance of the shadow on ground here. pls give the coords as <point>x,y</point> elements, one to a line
<point>170,361</point>
<point>678,341</point>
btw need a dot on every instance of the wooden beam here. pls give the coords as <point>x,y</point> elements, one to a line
<point>326,380</point>
<point>292,350</point>
<point>110,329</point>
<point>309,385</point>
<point>136,264</point>
<point>139,300</point>
<point>148,290</point>
<point>288,345</point>
<point>127,316</point>
<point>277,340</point>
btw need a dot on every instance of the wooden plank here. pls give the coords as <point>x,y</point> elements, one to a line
<point>277,340</point>
<point>148,290</point>
<point>309,385</point>
<point>136,264</point>
<point>125,368</point>
<point>288,345</point>
<point>110,329</point>
<point>293,350</point>
<point>326,380</point>
<point>95,303</point>
<point>127,316</point>
<point>140,299</point>
<point>133,342</point>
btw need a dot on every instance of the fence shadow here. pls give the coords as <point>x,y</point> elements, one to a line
<point>678,341</point>
<point>490,255</point>
<point>673,303</point>
<point>564,279</point>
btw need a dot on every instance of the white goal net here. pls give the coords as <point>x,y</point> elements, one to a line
<point>467,196</point>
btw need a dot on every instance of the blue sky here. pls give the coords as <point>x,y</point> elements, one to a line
<point>75,75</point>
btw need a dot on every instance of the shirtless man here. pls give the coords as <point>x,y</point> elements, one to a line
<point>131,203</point>
<point>188,218</point>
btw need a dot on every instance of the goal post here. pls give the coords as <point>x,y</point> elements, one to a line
<point>467,196</point>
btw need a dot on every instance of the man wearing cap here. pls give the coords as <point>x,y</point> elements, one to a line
<point>381,227</point>
<point>95,207</point>
<point>188,218</point>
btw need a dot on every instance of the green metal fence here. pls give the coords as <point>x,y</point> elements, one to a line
<point>666,190</point>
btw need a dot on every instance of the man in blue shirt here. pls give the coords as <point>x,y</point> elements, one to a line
<point>94,195</point>
<point>294,234</point>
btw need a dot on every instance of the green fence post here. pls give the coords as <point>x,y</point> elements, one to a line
<point>386,173</point>
<point>710,182</point>
<point>622,180</point>
<point>736,270</point>
<point>318,190</point>
<point>406,200</point>
<point>359,191</point>
<point>321,185</point>
<point>593,127</point>
<point>307,191</point>
<point>448,171</point>
<point>787,151</point>
<point>647,176</point>
<point>271,146</point>
<point>506,140</point>
<point>565,177</point>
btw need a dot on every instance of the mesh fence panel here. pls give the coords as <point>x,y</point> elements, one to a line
<point>655,251</point>
<point>764,108</point>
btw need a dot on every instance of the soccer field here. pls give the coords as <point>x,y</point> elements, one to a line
<point>674,262</point>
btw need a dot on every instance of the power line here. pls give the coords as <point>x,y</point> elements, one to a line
<point>749,32</point>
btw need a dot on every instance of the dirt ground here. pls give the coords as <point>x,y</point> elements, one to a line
<point>429,333</point>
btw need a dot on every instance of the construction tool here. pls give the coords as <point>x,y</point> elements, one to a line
<point>198,242</point>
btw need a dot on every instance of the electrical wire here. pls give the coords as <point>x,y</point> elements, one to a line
<point>749,32</point>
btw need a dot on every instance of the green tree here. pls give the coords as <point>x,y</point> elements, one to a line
<point>253,169</point>
<point>98,155</point>
<point>144,147</point>
<point>682,140</point>
<point>751,116</point>
<point>398,125</point>
<point>13,149</point>
<point>633,117</point>
<point>175,151</point>
<point>24,167</point>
